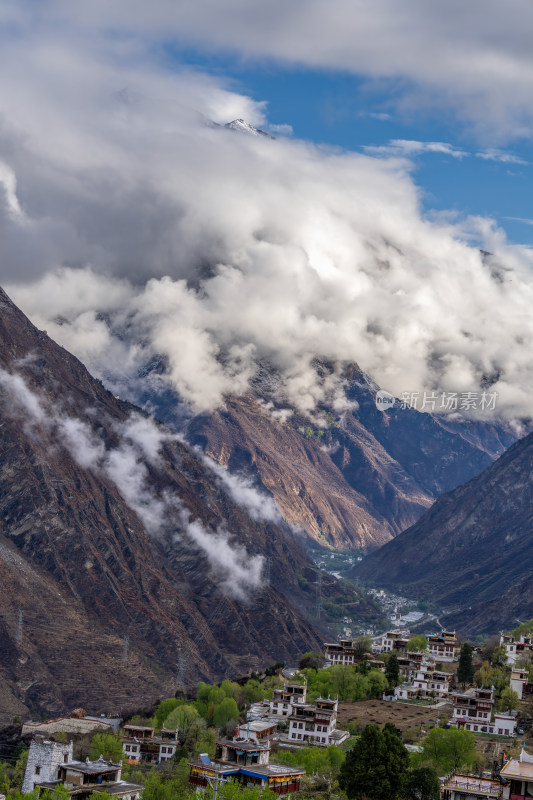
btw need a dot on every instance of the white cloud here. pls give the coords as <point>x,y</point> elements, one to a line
<point>407,148</point>
<point>473,58</point>
<point>148,234</point>
<point>26,403</point>
<point>259,505</point>
<point>236,569</point>
<point>493,154</point>
<point>521,219</point>
<point>281,130</point>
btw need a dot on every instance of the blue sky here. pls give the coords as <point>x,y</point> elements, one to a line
<point>339,109</point>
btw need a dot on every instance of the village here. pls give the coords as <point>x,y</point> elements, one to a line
<point>291,729</point>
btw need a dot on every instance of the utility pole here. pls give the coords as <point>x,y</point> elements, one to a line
<point>318,593</point>
<point>217,781</point>
<point>18,635</point>
<point>267,570</point>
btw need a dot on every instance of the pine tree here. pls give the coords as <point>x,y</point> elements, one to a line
<point>465,670</point>
<point>422,784</point>
<point>392,671</point>
<point>376,766</point>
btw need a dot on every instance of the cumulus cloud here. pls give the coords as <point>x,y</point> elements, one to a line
<point>148,234</point>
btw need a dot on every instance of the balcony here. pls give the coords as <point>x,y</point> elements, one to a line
<point>484,788</point>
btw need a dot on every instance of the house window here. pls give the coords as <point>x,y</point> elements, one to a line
<point>37,770</point>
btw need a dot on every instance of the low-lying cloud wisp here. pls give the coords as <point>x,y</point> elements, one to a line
<point>127,465</point>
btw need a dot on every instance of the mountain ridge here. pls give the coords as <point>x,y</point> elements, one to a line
<point>471,552</point>
<point>94,609</point>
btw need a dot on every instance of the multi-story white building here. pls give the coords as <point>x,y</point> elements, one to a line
<point>44,759</point>
<point>517,646</point>
<point>394,641</point>
<point>426,681</point>
<point>520,682</point>
<point>141,744</point>
<point>284,699</point>
<point>442,646</point>
<point>50,764</point>
<point>341,652</point>
<point>473,711</point>
<point>315,724</point>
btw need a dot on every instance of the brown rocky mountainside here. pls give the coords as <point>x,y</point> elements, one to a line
<point>350,480</point>
<point>127,567</point>
<point>472,551</point>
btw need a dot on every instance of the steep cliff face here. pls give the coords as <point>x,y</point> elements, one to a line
<point>354,479</point>
<point>471,552</point>
<point>128,566</point>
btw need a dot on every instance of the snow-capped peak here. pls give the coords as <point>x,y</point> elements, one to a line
<point>245,127</point>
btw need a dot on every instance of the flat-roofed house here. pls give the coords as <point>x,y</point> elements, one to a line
<point>247,763</point>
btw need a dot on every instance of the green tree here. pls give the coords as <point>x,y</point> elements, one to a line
<point>182,718</point>
<point>20,768</point>
<point>392,671</point>
<point>107,745</point>
<point>376,766</point>
<point>465,670</point>
<point>417,644</point>
<point>525,627</point>
<point>485,675</point>
<point>422,784</point>
<point>311,661</point>
<point>342,678</point>
<point>377,683</point>
<point>163,710</point>
<point>499,656</point>
<point>448,749</point>
<point>225,711</point>
<point>362,645</point>
<point>509,700</point>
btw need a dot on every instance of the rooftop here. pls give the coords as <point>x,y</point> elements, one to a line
<point>92,767</point>
<point>256,726</point>
<point>517,769</point>
<point>243,744</point>
<point>263,770</point>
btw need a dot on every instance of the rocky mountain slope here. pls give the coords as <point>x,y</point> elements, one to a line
<point>472,551</point>
<point>128,566</point>
<point>350,479</point>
